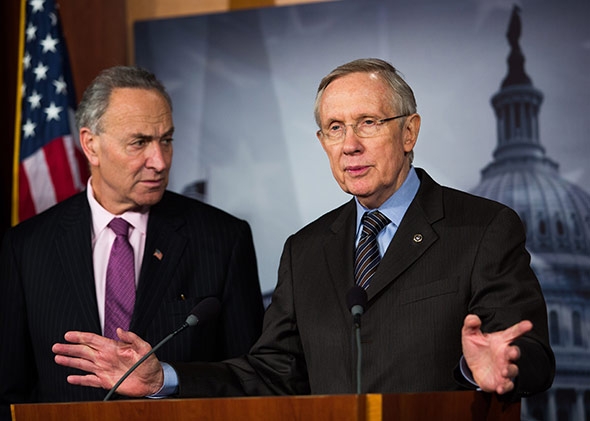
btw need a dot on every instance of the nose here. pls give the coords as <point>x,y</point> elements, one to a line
<point>158,156</point>
<point>351,142</point>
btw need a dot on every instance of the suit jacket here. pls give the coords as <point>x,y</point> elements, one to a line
<point>47,284</point>
<point>453,254</point>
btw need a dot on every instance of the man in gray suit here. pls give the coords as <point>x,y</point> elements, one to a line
<point>453,303</point>
<point>53,267</point>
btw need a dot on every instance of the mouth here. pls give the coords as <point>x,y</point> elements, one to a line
<point>356,170</point>
<point>154,183</point>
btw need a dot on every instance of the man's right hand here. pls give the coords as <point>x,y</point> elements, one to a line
<point>107,360</point>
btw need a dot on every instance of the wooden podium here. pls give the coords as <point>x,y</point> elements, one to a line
<point>439,406</point>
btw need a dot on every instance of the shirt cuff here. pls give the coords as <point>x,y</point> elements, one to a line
<point>466,372</point>
<point>170,385</point>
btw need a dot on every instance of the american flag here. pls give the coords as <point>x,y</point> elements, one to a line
<point>48,164</point>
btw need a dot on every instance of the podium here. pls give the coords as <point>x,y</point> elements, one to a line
<point>468,405</point>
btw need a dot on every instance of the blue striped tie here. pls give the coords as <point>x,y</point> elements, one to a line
<point>367,256</point>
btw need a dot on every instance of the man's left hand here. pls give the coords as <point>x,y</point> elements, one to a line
<point>490,356</point>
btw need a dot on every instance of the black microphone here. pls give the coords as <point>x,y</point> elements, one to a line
<point>356,299</point>
<point>205,310</point>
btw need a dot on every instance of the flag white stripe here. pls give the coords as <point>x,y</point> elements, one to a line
<point>40,182</point>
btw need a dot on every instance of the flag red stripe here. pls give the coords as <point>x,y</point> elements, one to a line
<point>26,207</point>
<point>59,169</point>
<point>45,162</point>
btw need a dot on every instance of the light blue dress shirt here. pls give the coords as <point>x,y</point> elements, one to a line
<point>394,208</point>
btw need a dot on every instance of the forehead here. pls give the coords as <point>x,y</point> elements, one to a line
<point>355,94</point>
<point>137,107</point>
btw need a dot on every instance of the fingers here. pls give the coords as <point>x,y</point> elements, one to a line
<point>505,387</point>
<point>473,323</point>
<point>81,345</point>
<point>74,356</point>
<point>510,372</point>
<point>74,362</point>
<point>517,330</point>
<point>86,380</point>
<point>86,338</point>
<point>512,353</point>
<point>82,350</point>
<point>492,356</point>
<point>80,357</point>
<point>68,349</point>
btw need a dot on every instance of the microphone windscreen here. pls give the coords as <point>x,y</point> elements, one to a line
<point>206,309</point>
<point>356,296</point>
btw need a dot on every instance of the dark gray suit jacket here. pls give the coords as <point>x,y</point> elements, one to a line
<point>453,254</point>
<point>47,288</point>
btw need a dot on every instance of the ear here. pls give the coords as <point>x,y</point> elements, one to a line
<point>89,142</point>
<point>410,131</point>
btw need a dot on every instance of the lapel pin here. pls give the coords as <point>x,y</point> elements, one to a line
<point>158,254</point>
<point>418,238</point>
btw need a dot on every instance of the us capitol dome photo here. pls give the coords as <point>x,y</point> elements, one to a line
<point>556,216</point>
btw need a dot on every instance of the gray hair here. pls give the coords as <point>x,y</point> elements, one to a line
<point>402,96</point>
<point>95,99</point>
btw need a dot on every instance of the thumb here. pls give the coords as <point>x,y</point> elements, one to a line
<point>471,323</point>
<point>127,336</point>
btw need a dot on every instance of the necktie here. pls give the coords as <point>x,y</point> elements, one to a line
<point>120,282</point>
<point>367,251</point>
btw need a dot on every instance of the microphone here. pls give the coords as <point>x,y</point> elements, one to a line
<point>205,310</point>
<point>356,299</point>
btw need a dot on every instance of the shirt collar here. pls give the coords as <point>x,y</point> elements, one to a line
<point>101,217</point>
<point>397,204</point>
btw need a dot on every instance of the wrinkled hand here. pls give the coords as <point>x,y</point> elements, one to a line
<point>490,357</point>
<point>107,360</point>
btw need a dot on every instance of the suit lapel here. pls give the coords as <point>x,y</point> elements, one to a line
<point>73,245</point>
<point>339,252</point>
<point>413,237</point>
<point>163,249</point>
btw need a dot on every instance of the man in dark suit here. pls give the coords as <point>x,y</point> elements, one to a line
<point>452,304</point>
<point>53,266</point>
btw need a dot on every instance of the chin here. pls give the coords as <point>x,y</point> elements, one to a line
<point>149,199</point>
<point>358,191</point>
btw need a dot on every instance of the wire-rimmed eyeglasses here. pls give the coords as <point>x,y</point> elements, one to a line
<point>365,127</point>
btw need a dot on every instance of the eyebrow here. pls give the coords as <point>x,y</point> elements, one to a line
<point>170,132</point>
<point>360,117</point>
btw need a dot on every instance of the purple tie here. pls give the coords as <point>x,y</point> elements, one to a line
<point>367,252</point>
<point>120,285</point>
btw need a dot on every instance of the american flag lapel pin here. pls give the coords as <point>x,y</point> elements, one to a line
<point>158,254</point>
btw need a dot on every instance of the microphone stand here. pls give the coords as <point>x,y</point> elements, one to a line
<point>356,298</point>
<point>359,356</point>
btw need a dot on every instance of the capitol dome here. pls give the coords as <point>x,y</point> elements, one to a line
<point>555,212</point>
<point>556,216</point>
